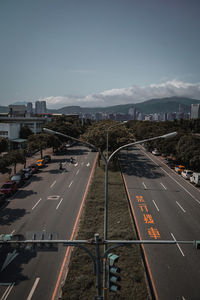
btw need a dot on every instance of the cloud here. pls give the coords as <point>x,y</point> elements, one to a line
<point>133,94</point>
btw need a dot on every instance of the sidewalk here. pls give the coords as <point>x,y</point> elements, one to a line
<point>29,160</point>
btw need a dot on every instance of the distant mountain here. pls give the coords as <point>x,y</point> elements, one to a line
<point>161,105</point>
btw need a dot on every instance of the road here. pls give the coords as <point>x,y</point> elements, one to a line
<point>49,203</point>
<point>166,207</point>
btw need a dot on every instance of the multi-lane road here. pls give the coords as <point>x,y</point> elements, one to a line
<point>166,207</point>
<point>49,203</point>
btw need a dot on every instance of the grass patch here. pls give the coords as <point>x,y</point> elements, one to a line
<point>81,282</point>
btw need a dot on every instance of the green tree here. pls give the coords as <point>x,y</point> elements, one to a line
<point>25,132</point>
<point>3,144</point>
<point>38,142</point>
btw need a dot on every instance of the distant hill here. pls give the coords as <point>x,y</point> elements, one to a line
<point>161,105</point>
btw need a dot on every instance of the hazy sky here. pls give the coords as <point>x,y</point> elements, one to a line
<point>98,52</point>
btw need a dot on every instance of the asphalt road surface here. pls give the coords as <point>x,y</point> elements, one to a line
<point>166,207</point>
<point>49,203</point>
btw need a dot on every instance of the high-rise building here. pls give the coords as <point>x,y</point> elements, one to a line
<point>195,111</point>
<point>132,112</point>
<point>29,107</point>
<point>40,107</point>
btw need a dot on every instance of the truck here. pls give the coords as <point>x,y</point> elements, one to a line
<point>195,179</point>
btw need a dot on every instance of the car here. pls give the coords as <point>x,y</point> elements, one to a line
<point>195,179</point>
<point>179,169</point>
<point>9,188</point>
<point>186,174</point>
<point>34,168</point>
<point>2,198</point>
<point>27,173</point>
<point>18,178</point>
<point>155,152</point>
<point>40,163</point>
<point>168,161</point>
<point>47,159</point>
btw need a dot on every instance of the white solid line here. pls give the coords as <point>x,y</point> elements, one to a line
<point>36,203</point>
<point>172,177</point>
<point>7,291</point>
<point>177,245</point>
<point>59,203</point>
<point>155,205</point>
<point>12,231</point>
<point>163,186</point>
<point>53,184</point>
<point>144,185</point>
<point>77,172</point>
<point>181,207</point>
<point>181,186</point>
<point>70,183</point>
<point>33,288</point>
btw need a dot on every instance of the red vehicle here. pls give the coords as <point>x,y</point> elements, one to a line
<point>9,188</point>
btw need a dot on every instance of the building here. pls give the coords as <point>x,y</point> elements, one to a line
<point>132,112</point>
<point>195,111</point>
<point>40,107</point>
<point>29,107</point>
<point>17,110</point>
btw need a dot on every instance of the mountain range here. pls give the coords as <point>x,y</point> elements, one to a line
<point>170,104</point>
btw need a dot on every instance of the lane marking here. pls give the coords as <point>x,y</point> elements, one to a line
<point>53,197</point>
<point>155,205</point>
<point>13,231</point>
<point>77,172</point>
<point>68,251</point>
<point>82,163</point>
<point>53,184</point>
<point>88,164</point>
<point>76,164</point>
<point>70,183</point>
<point>59,203</point>
<point>177,244</point>
<point>163,186</point>
<point>144,185</point>
<point>171,177</point>
<point>183,298</point>
<point>7,291</point>
<point>181,186</point>
<point>181,207</point>
<point>33,288</point>
<point>36,203</point>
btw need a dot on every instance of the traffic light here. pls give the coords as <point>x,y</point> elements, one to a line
<point>113,273</point>
<point>197,245</point>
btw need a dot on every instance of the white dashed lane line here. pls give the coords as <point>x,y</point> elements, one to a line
<point>7,291</point>
<point>180,207</point>
<point>53,184</point>
<point>163,186</point>
<point>77,172</point>
<point>144,185</point>
<point>36,203</point>
<point>33,288</point>
<point>59,203</point>
<point>70,184</point>
<point>177,244</point>
<point>155,205</point>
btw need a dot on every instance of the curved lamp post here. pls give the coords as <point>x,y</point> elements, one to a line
<point>107,133</point>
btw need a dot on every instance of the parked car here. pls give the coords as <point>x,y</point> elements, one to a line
<point>179,169</point>
<point>2,198</point>
<point>47,159</point>
<point>19,178</point>
<point>186,174</point>
<point>155,152</point>
<point>27,173</point>
<point>40,163</point>
<point>168,160</point>
<point>195,179</point>
<point>9,188</point>
<point>34,168</point>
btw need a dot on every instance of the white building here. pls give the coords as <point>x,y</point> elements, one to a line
<point>195,111</point>
<point>40,107</point>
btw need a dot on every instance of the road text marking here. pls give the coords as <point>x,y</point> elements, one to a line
<point>36,203</point>
<point>33,288</point>
<point>181,207</point>
<point>177,245</point>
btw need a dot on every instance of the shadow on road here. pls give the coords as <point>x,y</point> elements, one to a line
<point>10,215</point>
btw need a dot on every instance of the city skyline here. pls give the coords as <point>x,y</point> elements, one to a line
<point>98,53</point>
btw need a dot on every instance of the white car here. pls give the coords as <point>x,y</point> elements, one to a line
<point>186,174</point>
<point>155,152</point>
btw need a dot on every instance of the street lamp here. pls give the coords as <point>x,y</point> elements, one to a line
<point>108,133</point>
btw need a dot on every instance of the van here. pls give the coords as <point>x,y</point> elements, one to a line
<point>186,174</point>
<point>195,179</point>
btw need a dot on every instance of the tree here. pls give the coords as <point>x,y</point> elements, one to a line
<point>38,142</point>
<point>3,144</point>
<point>25,132</point>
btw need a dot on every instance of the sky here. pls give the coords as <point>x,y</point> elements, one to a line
<point>98,52</point>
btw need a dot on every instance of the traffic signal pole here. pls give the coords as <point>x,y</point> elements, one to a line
<point>97,258</point>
